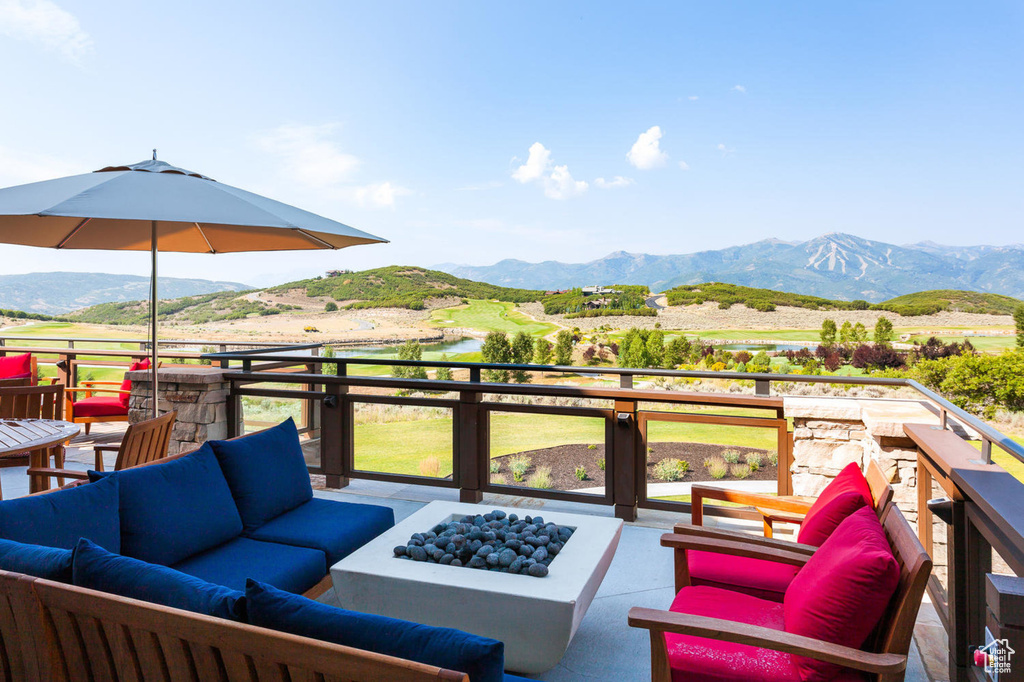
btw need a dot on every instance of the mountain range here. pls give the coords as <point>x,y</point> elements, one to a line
<point>55,293</point>
<point>836,265</point>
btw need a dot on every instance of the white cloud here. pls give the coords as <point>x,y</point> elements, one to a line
<point>536,165</point>
<point>646,152</point>
<point>684,166</point>
<point>557,181</point>
<point>561,185</point>
<point>693,98</point>
<point>379,195</point>
<point>616,182</point>
<point>44,23</point>
<point>740,89</point>
<point>309,155</point>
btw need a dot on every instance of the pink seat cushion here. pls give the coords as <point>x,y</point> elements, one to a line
<point>711,660</point>
<point>843,590</point>
<point>100,406</point>
<point>756,577</point>
<point>126,385</point>
<point>837,501</point>
<point>16,366</point>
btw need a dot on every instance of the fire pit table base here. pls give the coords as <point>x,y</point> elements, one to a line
<point>536,618</point>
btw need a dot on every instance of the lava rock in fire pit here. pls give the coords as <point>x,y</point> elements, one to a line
<point>493,541</point>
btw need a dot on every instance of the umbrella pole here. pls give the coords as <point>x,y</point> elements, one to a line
<point>152,321</point>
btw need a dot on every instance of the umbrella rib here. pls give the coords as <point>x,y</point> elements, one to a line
<point>203,235</point>
<point>312,238</point>
<point>72,233</point>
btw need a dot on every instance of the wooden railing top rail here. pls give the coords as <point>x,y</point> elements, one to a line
<point>163,342</point>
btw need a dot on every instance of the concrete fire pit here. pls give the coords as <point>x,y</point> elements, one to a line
<point>535,618</point>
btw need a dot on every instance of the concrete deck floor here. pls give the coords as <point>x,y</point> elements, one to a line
<point>605,647</point>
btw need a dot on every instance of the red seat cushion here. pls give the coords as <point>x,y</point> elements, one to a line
<point>16,366</point>
<point>100,406</point>
<point>844,495</point>
<point>842,591</point>
<point>710,660</point>
<point>126,385</point>
<point>756,577</point>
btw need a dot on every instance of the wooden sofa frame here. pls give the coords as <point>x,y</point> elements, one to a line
<point>52,631</point>
<point>886,657</point>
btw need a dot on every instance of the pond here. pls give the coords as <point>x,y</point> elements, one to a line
<point>466,344</point>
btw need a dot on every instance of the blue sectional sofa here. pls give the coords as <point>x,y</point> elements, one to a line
<point>230,530</point>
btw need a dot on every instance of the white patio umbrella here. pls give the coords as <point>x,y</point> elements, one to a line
<point>153,206</point>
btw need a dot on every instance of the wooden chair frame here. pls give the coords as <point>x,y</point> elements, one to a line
<point>889,644</point>
<point>143,443</point>
<point>53,631</point>
<point>32,402</point>
<point>88,388</point>
<point>25,381</point>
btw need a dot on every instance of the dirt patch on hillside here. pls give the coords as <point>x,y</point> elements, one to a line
<point>563,460</point>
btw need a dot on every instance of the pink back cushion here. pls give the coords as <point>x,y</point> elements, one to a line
<point>834,504</point>
<point>16,366</point>
<point>841,593</point>
<point>126,385</point>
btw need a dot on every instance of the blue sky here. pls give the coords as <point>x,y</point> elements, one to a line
<point>471,132</point>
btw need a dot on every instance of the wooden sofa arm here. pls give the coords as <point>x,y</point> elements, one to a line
<point>739,536</point>
<point>734,548</point>
<point>754,635</point>
<point>81,389</point>
<point>699,493</point>
<point>65,473</point>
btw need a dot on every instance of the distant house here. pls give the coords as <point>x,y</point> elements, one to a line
<point>599,291</point>
<point>553,293</point>
<point>338,273</point>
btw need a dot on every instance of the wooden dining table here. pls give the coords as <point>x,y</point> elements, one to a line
<point>35,437</point>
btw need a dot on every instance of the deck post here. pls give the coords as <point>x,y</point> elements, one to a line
<point>625,459</point>
<point>471,446</point>
<point>337,437</point>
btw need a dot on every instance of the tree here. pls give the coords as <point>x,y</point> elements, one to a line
<point>542,351</point>
<point>331,307</point>
<point>846,333</point>
<point>563,348</point>
<point>655,348</point>
<point>883,331</point>
<point>828,333</point>
<point>497,350</point>
<point>1018,320</point>
<point>634,352</point>
<point>860,333</point>
<point>760,363</point>
<point>444,373</point>
<point>410,350</point>
<point>677,352</point>
<point>522,352</point>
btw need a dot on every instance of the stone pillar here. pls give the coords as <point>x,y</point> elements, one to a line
<point>198,393</point>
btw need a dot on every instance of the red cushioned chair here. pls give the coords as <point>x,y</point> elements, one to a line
<point>18,370</point>
<point>110,406</point>
<point>848,614</point>
<point>847,492</point>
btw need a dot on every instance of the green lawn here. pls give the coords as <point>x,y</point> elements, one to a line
<point>490,316</point>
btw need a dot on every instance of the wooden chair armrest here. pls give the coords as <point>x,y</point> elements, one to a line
<point>699,493</point>
<point>90,382</point>
<point>108,448</point>
<point>735,536</point>
<point>80,389</point>
<point>767,638</point>
<point>733,548</point>
<point>66,473</point>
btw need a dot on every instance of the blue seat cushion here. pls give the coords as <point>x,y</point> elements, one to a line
<point>98,569</point>
<point>35,560</point>
<point>293,569</point>
<point>177,509</point>
<point>60,518</point>
<point>266,471</point>
<point>516,678</point>
<point>481,658</point>
<point>335,528</point>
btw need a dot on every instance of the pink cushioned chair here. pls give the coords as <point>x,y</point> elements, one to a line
<point>848,492</point>
<point>110,406</point>
<point>18,370</point>
<point>848,614</point>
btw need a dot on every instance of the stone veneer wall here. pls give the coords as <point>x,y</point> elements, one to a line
<point>829,433</point>
<point>199,394</point>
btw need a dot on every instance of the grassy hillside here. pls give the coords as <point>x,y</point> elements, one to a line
<point>226,305</point>
<point>922,303</point>
<point>400,286</point>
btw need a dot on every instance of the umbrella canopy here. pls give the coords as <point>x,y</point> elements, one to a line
<point>114,209</point>
<point>154,206</point>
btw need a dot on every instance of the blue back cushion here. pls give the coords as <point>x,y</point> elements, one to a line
<point>176,509</point>
<point>266,472</point>
<point>98,569</point>
<point>60,518</point>
<point>42,562</point>
<point>481,658</point>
